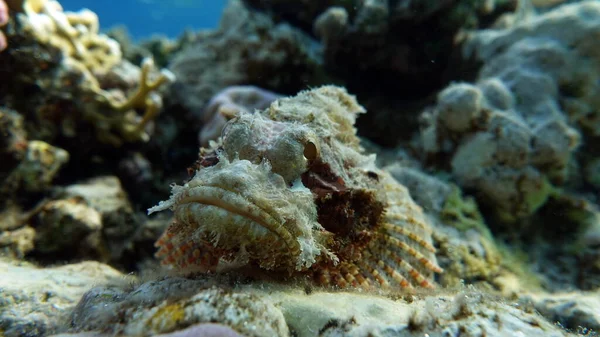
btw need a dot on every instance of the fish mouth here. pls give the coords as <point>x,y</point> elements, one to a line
<point>234,203</point>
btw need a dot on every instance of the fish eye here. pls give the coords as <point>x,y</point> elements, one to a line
<point>311,151</point>
<point>373,175</point>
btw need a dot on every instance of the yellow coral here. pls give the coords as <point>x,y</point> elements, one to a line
<point>75,33</point>
<point>127,124</point>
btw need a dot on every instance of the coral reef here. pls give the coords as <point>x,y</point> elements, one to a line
<point>392,54</point>
<point>288,224</point>
<point>370,37</point>
<point>248,48</point>
<point>521,139</point>
<point>290,191</point>
<point>61,59</point>
<point>513,135</point>
<point>509,156</point>
<point>555,47</point>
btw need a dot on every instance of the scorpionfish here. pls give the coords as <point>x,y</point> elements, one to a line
<point>288,190</point>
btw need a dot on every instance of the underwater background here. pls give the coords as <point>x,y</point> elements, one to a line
<point>251,168</point>
<point>144,18</point>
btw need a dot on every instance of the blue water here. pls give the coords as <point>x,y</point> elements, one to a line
<point>146,17</point>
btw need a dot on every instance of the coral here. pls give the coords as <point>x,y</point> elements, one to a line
<point>64,55</point>
<point>38,168</point>
<point>75,34</point>
<point>526,126</point>
<point>16,243</point>
<point>502,149</point>
<point>549,66</point>
<point>290,191</point>
<point>248,48</point>
<point>127,126</point>
<point>388,52</point>
<point>227,104</point>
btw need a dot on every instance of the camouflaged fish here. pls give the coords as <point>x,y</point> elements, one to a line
<point>288,190</point>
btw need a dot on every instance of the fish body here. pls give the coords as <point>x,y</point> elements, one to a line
<point>289,190</point>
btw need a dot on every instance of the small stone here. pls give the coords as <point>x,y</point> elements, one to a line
<point>35,302</point>
<point>572,310</point>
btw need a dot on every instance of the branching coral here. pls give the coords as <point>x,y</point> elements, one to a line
<point>75,33</point>
<point>126,124</point>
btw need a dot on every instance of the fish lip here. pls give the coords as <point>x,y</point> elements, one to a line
<point>233,202</point>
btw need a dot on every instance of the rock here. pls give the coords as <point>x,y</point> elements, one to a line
<point>173,304</point>
<point>466,314</point>
<point>18,242</point>
<point>575,311</point>
<point>13,145</point>
<point>526,125</point>
<point>68,226</point>
<point>39,167</point>
<point>265,309</point>
<point>107,196</point>
<point>34,302</point>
